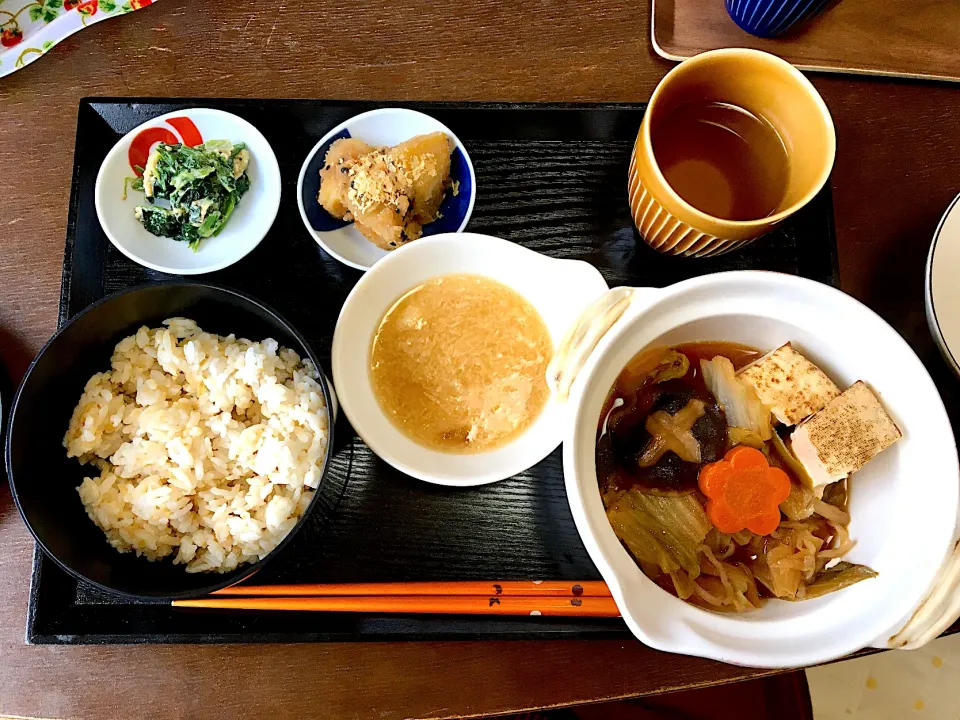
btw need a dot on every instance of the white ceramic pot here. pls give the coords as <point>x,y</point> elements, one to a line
<point>558,289</point>
<point>904,503</point>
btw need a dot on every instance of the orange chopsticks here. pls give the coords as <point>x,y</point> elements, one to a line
<point>513,588</point>
<point>589,598</point>
<point>420,604</point>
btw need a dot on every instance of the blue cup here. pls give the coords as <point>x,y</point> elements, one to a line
<point>769,18</point>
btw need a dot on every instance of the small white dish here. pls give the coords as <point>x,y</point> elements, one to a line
<point>942,291</point>
<point>904,504</point>
<point>559,289</point>
<point>386,126</point>
<point>247,226</point>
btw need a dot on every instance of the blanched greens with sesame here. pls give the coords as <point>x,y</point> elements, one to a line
<point>202,184</point>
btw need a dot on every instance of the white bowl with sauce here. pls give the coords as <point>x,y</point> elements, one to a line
<point>904,504</point>
<point>559,290</point>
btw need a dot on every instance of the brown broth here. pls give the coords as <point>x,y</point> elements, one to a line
<point>645,386</point>
<point>622,437</point>
<point>739,355</point>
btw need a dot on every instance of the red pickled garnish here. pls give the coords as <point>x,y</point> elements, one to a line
<point>188,131</point>
<point>140,147</point>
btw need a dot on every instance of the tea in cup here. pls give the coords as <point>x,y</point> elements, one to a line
<point>733,142</point>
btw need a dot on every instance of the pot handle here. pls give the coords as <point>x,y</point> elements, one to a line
<point>938,610</point>
<point>582,338</point>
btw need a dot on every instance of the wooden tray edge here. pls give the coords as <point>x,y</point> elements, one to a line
<point>870,72</point>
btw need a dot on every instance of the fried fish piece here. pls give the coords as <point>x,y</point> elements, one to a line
<point>389,193</point>
<point>428,159</point>
<point>334,175</point>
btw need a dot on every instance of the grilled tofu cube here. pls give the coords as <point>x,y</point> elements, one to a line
<point>844,436</point>
<point>789,384</point>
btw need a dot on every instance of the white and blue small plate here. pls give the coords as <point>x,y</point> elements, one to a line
<point>388,126</point>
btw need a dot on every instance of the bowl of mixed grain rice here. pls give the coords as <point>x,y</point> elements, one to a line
<point>169,440</point>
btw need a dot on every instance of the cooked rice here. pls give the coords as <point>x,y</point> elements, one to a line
<point>209,447</point>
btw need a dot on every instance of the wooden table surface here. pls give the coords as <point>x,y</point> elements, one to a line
<point>898,166</point>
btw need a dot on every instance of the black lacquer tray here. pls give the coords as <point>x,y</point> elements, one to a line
<point>552,178</point>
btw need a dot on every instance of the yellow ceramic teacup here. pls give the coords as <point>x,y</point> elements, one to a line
<point>761,84</point>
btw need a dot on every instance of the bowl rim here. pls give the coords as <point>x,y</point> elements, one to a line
<point>760,56</point>
<point>317,235</point>
<point>933,320</point>
<point>714,645</point>
<point>271,168</point>
<point>243,572</point>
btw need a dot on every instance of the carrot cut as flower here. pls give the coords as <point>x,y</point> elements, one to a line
<point>743,491</point>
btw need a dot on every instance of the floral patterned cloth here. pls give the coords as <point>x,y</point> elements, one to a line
<point>30,29</point>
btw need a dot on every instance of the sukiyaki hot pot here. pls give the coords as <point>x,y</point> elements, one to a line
<point>752,473</point>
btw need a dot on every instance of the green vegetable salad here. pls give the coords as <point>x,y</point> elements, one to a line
<point>203,185</point>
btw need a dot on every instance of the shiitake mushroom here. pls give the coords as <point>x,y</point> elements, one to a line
<point>624,437</point>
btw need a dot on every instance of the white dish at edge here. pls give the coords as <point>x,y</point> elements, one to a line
<point>246,227</point>
<point>941,289</point>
